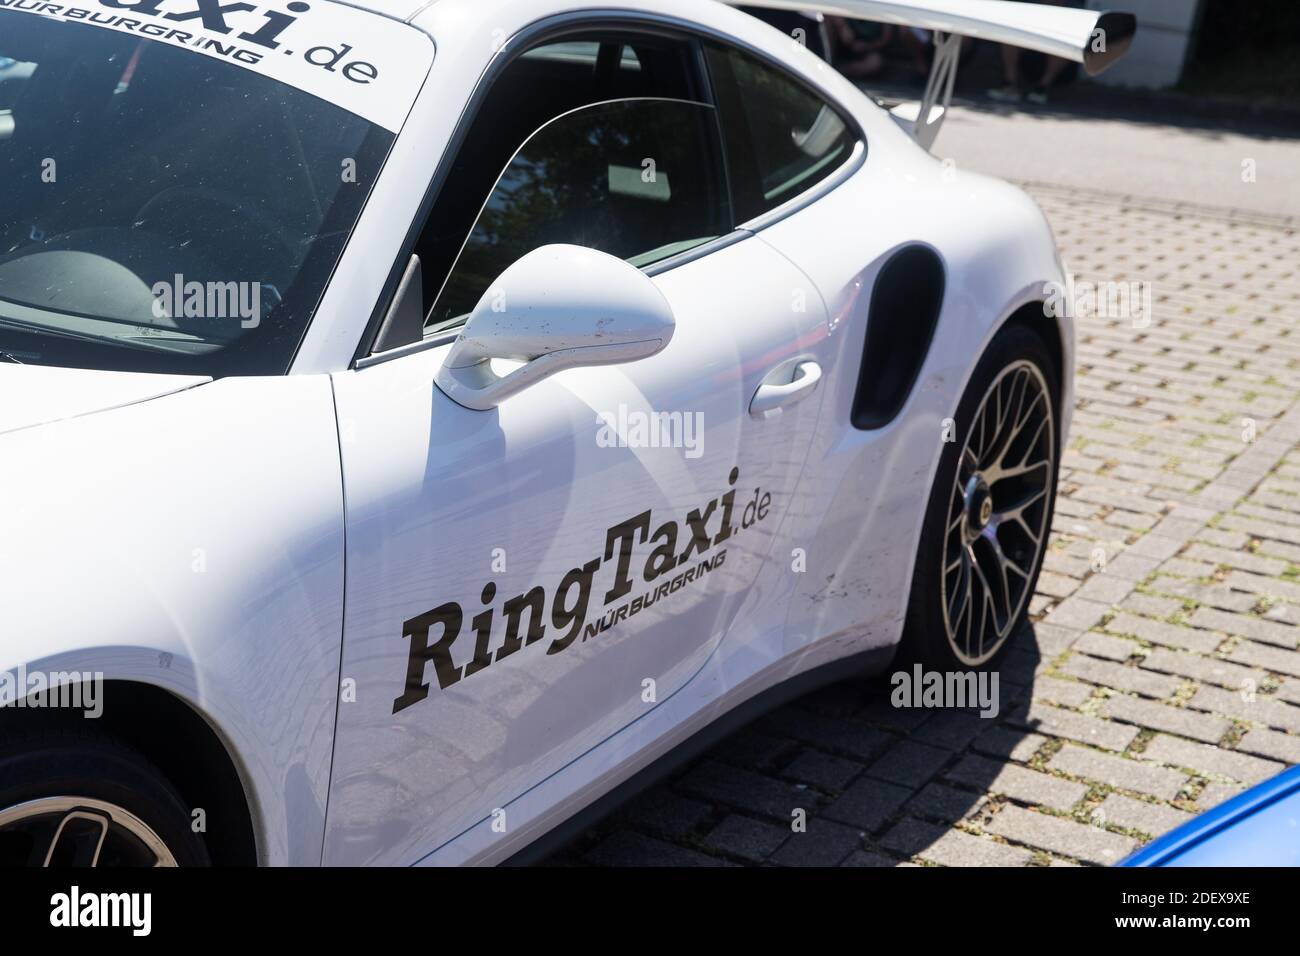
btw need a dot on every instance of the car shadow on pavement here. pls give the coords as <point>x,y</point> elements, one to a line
<point>851,774</point>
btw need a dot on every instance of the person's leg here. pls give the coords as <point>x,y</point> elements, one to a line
<point>1052,71</point>
<point>1053,67</point>
<point>1009,92</point>
<point>1011,65</point>
<point>861,67</point>
<point>918,48</point>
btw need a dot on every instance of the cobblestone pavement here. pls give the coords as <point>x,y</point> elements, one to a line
<point>1151,689</point>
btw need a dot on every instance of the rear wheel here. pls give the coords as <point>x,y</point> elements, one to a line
<point>987,522</point>
<point>78,799</point>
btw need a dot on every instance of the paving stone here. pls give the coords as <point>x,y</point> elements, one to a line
<point>901,720</point>
<point>746,790</point>
<point>1244,560</point>
<point>1051,639</point>
<point>626,848</point>
<point>1180,529</point>
<point>1204,759</point>
<point>1132,567</point>
<point>1152,819</point>
<point>1066,837</point>
<point>1077,612</point>
<point>1008,744</point>
<point>1232,540</point>
<point>1257,584</point>
<point>853,738</point>
<point>1018,783</point>
<point>1105,588</point>
<point>1214,595</point>
<point>1289,691</point>
<point>1156,546</point>
<point>954,730</point>
<point>864,858</point>
<point>1103,645</point>
<point>1056,585</point>
<point>1120,676</point>
<point>1158,632</point>
<point>951,847</point>
<point>1119,772</point>
<point>867,803</point>
<point>1067,692</point>
<point>1267,632</point>
<point>757,751</point>
<point>1150,605</point>
<point>909,763</point>
<point>824,843</point>
<point>1216,792</point>
<point>1269,658</point>
<point>667,814</point>
<point>1176,720</point>
<point>1066,723</point>
<point>822,770</point>
<point>1209,670</point>
<point>1271,743</point>
<point>749,839</point>
<point>948,804</point>
<point>1257,708</point>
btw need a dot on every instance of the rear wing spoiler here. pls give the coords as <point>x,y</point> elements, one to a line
<point>1094,39</point>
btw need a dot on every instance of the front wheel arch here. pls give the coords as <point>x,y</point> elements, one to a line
<point>174,737</point>
<point>1034,316</point>
<point>1019,341</point>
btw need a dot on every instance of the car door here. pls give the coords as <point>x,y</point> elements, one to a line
<point>522,582</point>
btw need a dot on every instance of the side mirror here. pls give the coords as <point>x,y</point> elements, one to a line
<point>558,307</point>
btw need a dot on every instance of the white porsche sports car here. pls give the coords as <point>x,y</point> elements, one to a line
<point>419,421</point>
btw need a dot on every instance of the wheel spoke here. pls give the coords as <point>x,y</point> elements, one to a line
<point>961,590</point>
<point>1017,471</point>
<point>1034,539</point>
<point>1008,410</point>
<point>987,604</point>
<point>971,609</point>
<point>78,840</point>
<point>996,579</point>
<point>1015,511</point>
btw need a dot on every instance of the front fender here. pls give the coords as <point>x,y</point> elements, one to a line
<point>194,542</point>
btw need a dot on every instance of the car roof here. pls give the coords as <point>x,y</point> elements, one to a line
<point>395,9</point>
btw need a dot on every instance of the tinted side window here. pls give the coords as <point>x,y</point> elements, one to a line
<point>782,138</point>
<point>549,80</point>
<point>639,179</point>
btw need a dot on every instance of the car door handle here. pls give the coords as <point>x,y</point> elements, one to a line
<point>786,384</point>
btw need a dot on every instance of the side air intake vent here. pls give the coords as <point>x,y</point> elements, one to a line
<point>900,325</point>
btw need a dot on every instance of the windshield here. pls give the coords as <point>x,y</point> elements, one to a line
<point>162,210</point>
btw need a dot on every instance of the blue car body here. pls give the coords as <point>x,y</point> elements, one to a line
<point>1260,827</point>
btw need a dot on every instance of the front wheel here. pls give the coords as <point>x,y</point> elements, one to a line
<point>73,799</point>
<point>990,510</point>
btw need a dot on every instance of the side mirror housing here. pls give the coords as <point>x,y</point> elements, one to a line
<point>558,307</point>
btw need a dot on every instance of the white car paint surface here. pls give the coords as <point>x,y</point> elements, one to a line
<point>283,552</point>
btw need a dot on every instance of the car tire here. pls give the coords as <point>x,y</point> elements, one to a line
<point>77,798</point>
<point>983,524</point>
